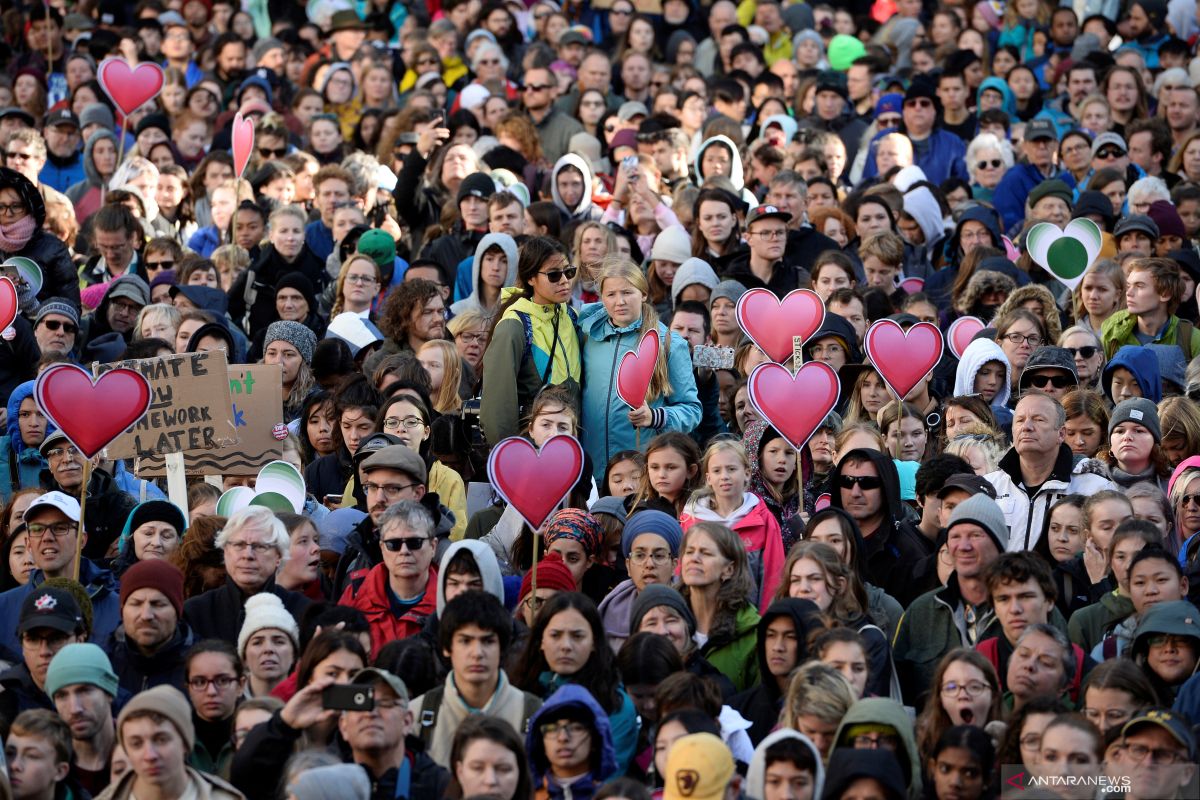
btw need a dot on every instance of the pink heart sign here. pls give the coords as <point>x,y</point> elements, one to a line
<point>903,358</point>
<point>92,413</point>
<point>243,142</point>
<point>822,502</point>
<point>771,323</point>
<point>961,332</point>
<point>8,303</point>
<point>795,405</point>
<point>535,483</point>
<point>912,285</point>
<point>637,369</point>
<point>129,87</point>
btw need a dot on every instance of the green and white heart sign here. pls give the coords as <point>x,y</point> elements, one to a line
<point>1066,254</point>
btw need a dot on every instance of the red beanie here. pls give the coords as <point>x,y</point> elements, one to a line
<point>154,573</point>
<point>552,573</point>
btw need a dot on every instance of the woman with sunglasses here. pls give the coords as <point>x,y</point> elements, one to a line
<point>1084,346</point>
<point>535,343</point>
<point>987,160</point>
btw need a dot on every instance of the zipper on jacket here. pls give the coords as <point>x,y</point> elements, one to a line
<point>612,369</point>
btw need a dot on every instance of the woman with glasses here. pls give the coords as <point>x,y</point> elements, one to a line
<point>1113,692</point>
<point>1018,332</point>
<point>215,680</point>
<point>358,284</point>
<point>965,691</point>
<point>1022,741</point>
<point>590,109</point>
<point>23,233</point>
<point>988,158</point>
<point>1184,493</point>
<point>408,419</point>
<point>1075,153</point>
<point>535,341</point>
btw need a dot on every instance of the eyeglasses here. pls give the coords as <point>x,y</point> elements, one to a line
<point>876,741</point>
<point>34,641</point>
<point>769,235</point>
<point>362,280</point>
<point>272,152</point>
<point>59,530</point>
<point>473,338</point>
<point>157,265</point>
<point>388,489</point>
<point>1019,339</point>
<point>572,729</point>
<point>1058,381</point>
<point>995,163</point>
<point>413,543</point>
<point>541,15</point>
<point>54,325</point>
<point>1164,640</point>
<point>920,102</point>
<point>972,688</point>
<point>1086,351</point>
<point>1109,152</point>
<point>258,548</point>
<point>222,682</point>
<point>556,275</point>
<point>59,452</point>
<point>620,12</point>
<point>658,557</point>
<point>408,423</point>
<point>1031,741</point>
<point>1158,755</point>
<point>534,87</point>
<point>864,482</point>
<point>12,209</point>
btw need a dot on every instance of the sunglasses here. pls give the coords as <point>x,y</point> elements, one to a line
<point>1058,381</point>
<point>995,163</point>
<point>888,122</point>
<point>864,482</point>
<point>160,265</point>
<point>1082,352</point>
<point>620,12</point>
<point>556,275</point>
<point>534,87</point>
<point>920,102</point>
<point>413,543</point>
<point>1109,152</point>
<point>54,325</point>
<point>272,152</point>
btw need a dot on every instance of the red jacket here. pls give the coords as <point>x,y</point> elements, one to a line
<point>369,594</point>
<point>760,533</point>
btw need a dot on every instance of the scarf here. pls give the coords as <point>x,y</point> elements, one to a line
<point>15,235</point>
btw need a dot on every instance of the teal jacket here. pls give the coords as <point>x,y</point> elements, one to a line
<point>605,416</point>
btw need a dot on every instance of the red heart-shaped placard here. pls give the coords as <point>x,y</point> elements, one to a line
<point>242,135</point>
<point>912,285</point>
<point>822,502</point>
<point>92,413</point>
<point>771,323</point>
<point>637,369</point>
<point>9,305</point>
<point>961,332</point>
<point>795,405</point>
<point>535,483</point>
<point>129,87</point>
<point>903,358</point>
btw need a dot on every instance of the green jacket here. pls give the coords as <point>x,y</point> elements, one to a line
<point>1118,330</point>
<point>882,711</point>
<point>1089,625</point>
<point>531,346</point>
<point>927,631</point>
<point>733,652</point>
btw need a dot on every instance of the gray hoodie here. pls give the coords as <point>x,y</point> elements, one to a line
<point>94,179</point>
<point>756,775</point>
<point>473,302</point>
<point>485,559</point>
<point>585,210</point>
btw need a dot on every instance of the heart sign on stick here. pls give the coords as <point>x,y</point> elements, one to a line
<point>903,358</point>
<point>92,413</point>
<point>637,369</point>
<point>280,487</point>
<point>771,323</point>
<point>8,303</point>
<point>243,142</point>
<point>1068,253</point>
<point>961,332</point>
<point>795,405</point>
<point>129,87</point>
<point>535,482</point>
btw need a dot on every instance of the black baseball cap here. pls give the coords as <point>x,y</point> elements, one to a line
<point>967,482</point>
<point>50,607</point>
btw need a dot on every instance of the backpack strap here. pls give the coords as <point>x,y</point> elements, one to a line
<point>1109,647</point>
<point>1183,336</point>
<point>529,707</point>
<point>430,706</point>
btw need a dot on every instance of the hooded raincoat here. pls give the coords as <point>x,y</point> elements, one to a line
<point>575,702</point>
<point>585,210</point>
<point>877,711</point>
<point>21,465</point>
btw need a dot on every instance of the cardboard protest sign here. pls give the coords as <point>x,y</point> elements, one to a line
<point>190,408</point>
<point>256,408</point>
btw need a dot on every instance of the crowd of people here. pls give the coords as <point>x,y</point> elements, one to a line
<point>457,218</point>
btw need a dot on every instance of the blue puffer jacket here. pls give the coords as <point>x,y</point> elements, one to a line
<point>575,697</point>
<point>101,587</point>
<point>20,466</point>
<point>605,416</point>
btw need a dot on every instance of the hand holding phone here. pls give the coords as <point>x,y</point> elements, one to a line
<point>349,697</point>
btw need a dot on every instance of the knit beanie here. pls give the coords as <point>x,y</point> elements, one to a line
<point>155,573</point>
<point>157,511</point>
<point>1139,410</point>
<point>477,184</point>
<point>295,334</point>
<point>843,50</point>
<point>60,306</point>
<point>336,782</point>
<point>300,282</point>
<point>264,610</point>
<point>656,595</point>
<point>1167,219</point>
<point>81,663</point>
<point>650,521</point>
<point>552,573</point>
<point>983,511</point>
<point>672,244</point>
<point>166,701</point>
<point>729,289</point>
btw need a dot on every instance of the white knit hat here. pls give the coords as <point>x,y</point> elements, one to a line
<point>673,244</point>
<point>265,610</point>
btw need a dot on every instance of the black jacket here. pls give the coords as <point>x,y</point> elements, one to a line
<point>417,204</point>
<point>19,357</point>
<point>708,390</point>
<point>452,248</point>
<point>59,278</point>
<point>895,553</point>
<point>804,245</point>
<point>785,276</point>
<point>137,671</point>
<point>328,474</point>
<point>268,269</point>
<point>108,507</point>
<point>19,694</point>
<point>260,760</point>
<point>219,613</point>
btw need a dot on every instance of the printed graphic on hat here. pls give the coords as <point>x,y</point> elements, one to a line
<point>45,603</point>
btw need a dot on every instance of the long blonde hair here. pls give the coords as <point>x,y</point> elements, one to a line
<point>447,399</point>
<point>617,266</point>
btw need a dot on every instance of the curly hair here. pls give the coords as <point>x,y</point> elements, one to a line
<point>198,554</point>
<point>398,308</point>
